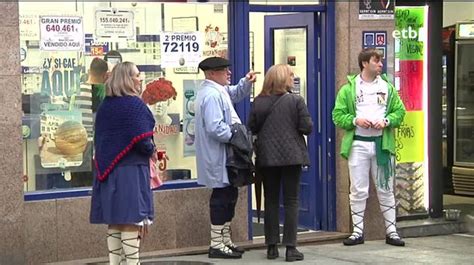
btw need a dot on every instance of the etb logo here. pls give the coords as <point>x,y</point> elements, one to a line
<point>409,33</point>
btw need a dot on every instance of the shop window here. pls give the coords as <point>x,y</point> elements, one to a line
<point>58,43</point>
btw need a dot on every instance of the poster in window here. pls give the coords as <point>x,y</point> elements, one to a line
<point>410,136</point>
<point>29,27</point>
<point>63,139</point>
<point>180,49</point>
<point>114,23</point>
<point>65,124</point>
<point>61,33</point>
<point>185,24</point>
<point>190,91</point>
<point>215,42</point>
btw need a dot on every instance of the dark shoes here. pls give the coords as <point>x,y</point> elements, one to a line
<point>391,239</point>
<point>236,248</point>
<point>354,239</point>
<point>292,254</point>
<point>272,252</point>
<point>394,240</point>
<point>216,253</point>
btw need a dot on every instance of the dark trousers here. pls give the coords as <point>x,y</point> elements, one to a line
<point>222,204</point>
<point>287,177</point>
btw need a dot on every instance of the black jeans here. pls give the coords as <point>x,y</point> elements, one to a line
<point>287,177</point>
<point>222,204</point>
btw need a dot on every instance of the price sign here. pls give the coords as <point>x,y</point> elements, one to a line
<point>179,49</point>
<point>59,33</point>
<point>114,23</point>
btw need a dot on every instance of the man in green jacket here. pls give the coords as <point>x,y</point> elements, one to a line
<point>368,108</point>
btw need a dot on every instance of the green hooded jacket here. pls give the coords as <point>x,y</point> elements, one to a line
<point>344,113</point>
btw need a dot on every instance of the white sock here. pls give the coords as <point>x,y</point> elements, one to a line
<point>114,244</point>
<point>226,235</point>
<point>357,214</point>
<point>216,236</point>
<point>217,239</point>
<point>131,247</point>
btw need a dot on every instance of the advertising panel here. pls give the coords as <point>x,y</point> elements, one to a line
<point>410,81</point>
<point>179,49</point>
<point>61,33</point>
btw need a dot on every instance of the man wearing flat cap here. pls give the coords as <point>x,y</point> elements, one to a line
<point>215,114</point>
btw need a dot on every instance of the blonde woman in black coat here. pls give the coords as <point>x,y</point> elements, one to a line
<point>280,120</point>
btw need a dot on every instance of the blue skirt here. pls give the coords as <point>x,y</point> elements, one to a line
<point>125,197</point>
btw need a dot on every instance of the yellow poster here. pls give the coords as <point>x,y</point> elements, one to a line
<point>410,138</point>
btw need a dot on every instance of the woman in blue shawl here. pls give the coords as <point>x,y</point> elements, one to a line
<point>121,193</point>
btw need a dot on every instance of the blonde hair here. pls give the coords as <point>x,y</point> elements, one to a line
<point>276,80</point>
<point>120,82</point>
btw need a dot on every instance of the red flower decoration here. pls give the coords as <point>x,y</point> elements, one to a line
<point>160,155</point>
<point>159,90</point>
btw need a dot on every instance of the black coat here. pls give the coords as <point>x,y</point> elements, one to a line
<point>280,142</point>
<point>239,152</point>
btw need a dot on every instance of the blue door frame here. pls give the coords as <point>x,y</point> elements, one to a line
<point>239,41</point>
<point>310,184</point>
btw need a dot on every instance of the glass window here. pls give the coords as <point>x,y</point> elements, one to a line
<point>464,104</point>
<point>59,95</point>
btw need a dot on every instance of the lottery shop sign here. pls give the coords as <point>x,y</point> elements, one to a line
<point>61,33</point>
<point>115,24</point>
<point>180,49</point>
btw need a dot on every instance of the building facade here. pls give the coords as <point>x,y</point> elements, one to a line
<point>45,193</point>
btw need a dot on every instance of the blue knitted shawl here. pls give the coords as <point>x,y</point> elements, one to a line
<point>121,122</point>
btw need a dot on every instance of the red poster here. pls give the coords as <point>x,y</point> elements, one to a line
<point>411,84</point>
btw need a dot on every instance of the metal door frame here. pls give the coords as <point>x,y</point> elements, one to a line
<point>306,21</point>
<point>239,41</point>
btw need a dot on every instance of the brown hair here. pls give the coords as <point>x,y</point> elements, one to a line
<point>366,54</point>
<point>98,66</point>
<point>120,82</point>
<point>276,80</point>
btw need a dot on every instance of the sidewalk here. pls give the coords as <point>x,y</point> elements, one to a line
<point>448,249</point>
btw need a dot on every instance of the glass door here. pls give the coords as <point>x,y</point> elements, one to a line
<point>463,169</point>
<point>464,105</point>
<point>290,39</point>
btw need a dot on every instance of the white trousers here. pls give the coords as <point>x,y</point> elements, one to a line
<point>362,161</point>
